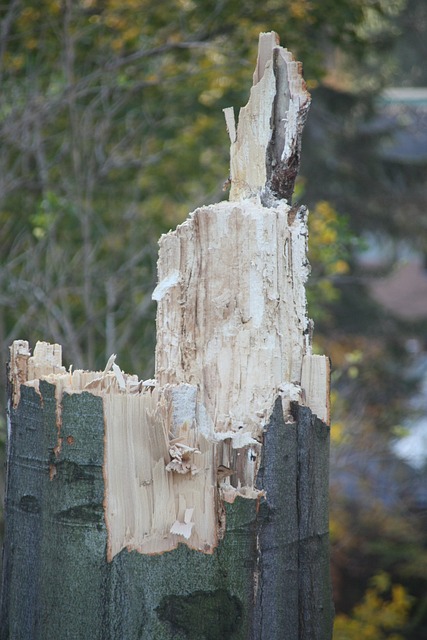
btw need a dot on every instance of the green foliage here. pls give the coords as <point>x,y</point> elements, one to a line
<point>383,612</point>
<point>330,248</point>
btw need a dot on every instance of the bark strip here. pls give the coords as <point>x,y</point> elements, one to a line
<point>293,598</point>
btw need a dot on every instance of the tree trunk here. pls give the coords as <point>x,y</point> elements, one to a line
<point>194,505</point>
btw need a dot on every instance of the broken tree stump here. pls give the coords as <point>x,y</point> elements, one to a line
<point>194,505</point>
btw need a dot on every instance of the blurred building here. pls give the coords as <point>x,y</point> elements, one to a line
<point>402,121</point>
<point>403,289</point>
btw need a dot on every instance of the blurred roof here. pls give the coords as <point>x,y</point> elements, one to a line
<point>406,95</point>
<point>403,116</point>
<point>403,113</point>
<point>403,291</point>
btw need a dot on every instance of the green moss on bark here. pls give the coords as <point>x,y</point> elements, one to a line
<point>213,615</point>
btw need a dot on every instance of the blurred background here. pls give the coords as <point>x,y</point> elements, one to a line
<point>111,131</point>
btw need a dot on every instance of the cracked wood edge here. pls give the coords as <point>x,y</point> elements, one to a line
<point>47,359</point>
<point>315,381</point>
<point>162,463</point>
<point>266,142</point>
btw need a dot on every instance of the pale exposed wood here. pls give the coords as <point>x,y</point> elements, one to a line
<point>46,359</point>
<point>18,367</point>
<point>266,145</point>
<point>315,382</point>
<point>230,122</point>
<point>234,322</point>
<point>232,318</point>
<point>147,496</point>
<point>266,44</point>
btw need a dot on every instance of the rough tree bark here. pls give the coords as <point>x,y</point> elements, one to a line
<point>194,505</point>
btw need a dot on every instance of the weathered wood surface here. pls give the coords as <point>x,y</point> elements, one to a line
<point>194,505</point>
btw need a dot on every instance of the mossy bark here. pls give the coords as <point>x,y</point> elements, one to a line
<point>55,536</point>
<point>268,578</point>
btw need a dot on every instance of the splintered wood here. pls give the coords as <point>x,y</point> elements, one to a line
<point>232,336</point>
<point>266,144</point>
<point>234,320</point>
<point>159,490</point>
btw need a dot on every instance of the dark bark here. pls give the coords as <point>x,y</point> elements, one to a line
<point>294,599</point>
<point>282,170</point>
<point>55,536</point>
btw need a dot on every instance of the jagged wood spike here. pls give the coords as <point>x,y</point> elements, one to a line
<point>266,144</point>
